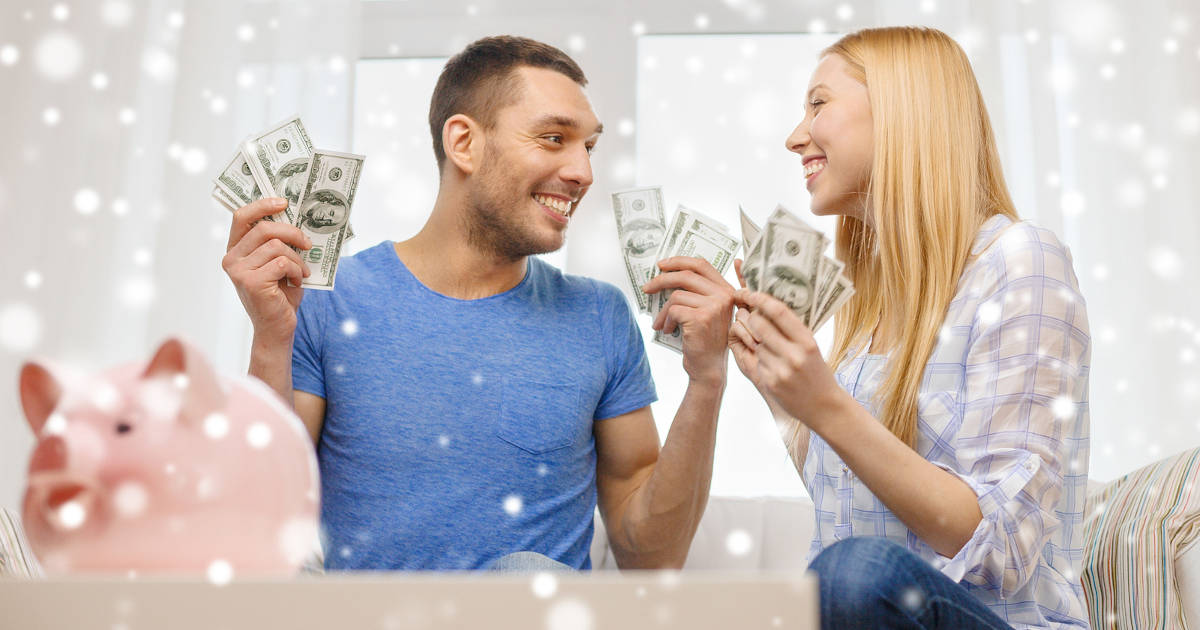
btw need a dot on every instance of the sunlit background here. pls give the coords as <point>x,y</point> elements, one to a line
<point>117,114</point>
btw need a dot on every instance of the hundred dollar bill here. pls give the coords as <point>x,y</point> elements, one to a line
<point>840,293</point>
<point>750,232</point>
<point>720,255</point>
<point>237,183</point>
<point>279,159</point>
<point>323,212</point>
<point>228,202</point>
<point>640,228</point>
<point>827,272</point>
<point>791,255</point>
<point>687,221</point>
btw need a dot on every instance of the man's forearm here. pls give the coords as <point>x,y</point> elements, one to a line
<point>271,362</point>
<point>666,510</point>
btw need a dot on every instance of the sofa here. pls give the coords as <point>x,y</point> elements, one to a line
<point>1141,543</point>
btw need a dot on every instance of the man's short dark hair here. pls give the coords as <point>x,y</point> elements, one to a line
<point>478,81</point>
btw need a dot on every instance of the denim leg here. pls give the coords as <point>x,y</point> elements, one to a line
<point>527,562</point>
<point>869,582</point>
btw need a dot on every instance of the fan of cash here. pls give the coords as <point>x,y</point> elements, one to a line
<point>785,260</point>
<point>319,186</point>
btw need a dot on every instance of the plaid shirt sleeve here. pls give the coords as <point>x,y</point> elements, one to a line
<point>1023,404</point>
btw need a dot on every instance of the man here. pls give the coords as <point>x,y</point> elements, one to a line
<point>470,401</point>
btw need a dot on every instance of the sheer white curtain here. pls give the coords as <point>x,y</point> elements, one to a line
<point>117,114</point>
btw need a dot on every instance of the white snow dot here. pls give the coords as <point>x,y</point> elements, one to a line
<point>297,538</point>
<point>543,470</point>
<point>105,397</point>
<point>141,258</point>
<point>1187,355</point>
<point>1170,46</point>
<point>472,10</point>
<point>576,43</point>
<point>345,551</point>
<point>1108,71</point>
<point>33,279</point>
<point>175,19</point>
<point>216,425</point>
<point>56,424</point>
<point>739,542</point>
<point>513,504</point>
<point>1032,36</point>
<point>1165,262</point>
<point>817,26</point>
<point>9,55</point>
<point>220,572</point>
<point>989,313</point>
<point>130,499</point>
<point>625,127</point>
<point>912,598</point>
<point>218,105</point>
<point>60,12</point>
<point>569,614</point>
<point>20,327</point>
<point>1073,203</point>
<point>51,116</point>
<point>86,201</point>
<point>245,78</point>
<point>544,584</point>
<point>443,441</point>
<point>477,378</point>
<point>1053,179</point>
<point>116,13</point>
<point>58,56</point>
<point>701,20</point>
<point>245,32</point>
<point>193,160</point>
<point>1062,77</point>
<point>928,6</point>
<point>845,12</point>
<point>1131,193</point>
<point>99,81</point>
<point>127,116</point>
<point>1117,45</point>
<point>638,29</point>
<point>1063,407</point>
<point>258,435</point>
<point>159,64</point>
<point>72,514</point>
<point>1100,272</point>
<point>349,327</point>
<point>339,369</point>
<point>694,65</point>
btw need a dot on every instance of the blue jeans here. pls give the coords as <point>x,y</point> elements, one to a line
<point>527,562</point>
<point>869,582</point>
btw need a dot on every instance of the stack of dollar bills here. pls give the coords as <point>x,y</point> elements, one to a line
<point>646,239</point>
<point>786,260</point>
<point>319,186</point>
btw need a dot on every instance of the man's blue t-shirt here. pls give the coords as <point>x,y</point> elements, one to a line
<point>458,431</point>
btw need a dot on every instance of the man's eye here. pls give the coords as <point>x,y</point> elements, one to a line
<point>555,139</point>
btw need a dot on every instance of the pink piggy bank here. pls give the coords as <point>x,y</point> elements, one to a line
<point>167,467</point>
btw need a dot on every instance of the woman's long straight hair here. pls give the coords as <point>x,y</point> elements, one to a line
<point>935,179</point>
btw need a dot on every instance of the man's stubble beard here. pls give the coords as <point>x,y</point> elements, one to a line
<point>493,222</point>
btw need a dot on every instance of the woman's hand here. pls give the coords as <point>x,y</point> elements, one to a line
<point>777,352</point>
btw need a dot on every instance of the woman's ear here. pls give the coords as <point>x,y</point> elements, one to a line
<point>462,139</point>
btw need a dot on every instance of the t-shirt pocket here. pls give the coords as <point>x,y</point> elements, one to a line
<point>540,417</point>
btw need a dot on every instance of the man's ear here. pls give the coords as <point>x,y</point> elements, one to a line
<point>462,139</point>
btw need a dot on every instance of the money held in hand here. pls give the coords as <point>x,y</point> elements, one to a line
<point>278,163</point>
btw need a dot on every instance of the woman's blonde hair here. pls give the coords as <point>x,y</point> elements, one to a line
<point>935,179</point>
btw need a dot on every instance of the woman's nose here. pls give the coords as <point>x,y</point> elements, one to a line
<point>798,138</point>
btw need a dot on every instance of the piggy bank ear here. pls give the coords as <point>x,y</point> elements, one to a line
<point>40,393</point>
<point>186,367</point>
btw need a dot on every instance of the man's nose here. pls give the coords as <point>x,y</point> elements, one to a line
<point>578,169</point>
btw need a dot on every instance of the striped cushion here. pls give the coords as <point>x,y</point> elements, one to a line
<point>16,560</point>
<point>1132,532</point>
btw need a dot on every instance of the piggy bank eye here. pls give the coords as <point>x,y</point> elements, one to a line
<point>124,427</point>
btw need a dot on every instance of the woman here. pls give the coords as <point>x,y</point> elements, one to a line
<point>945,444</point>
